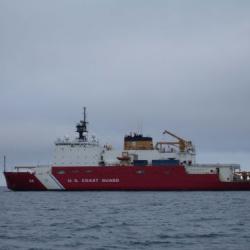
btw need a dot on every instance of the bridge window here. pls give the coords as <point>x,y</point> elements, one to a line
<point>61,172</point>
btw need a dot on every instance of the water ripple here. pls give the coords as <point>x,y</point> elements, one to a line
<point>124,220</point>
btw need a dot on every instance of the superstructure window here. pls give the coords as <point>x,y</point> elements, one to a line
<point>88,171</point>
<point>61,172</point>
<point>140,171</point>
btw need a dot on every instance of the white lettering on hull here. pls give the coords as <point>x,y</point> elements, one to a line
<point>94,180</point>
<point>111,180</point>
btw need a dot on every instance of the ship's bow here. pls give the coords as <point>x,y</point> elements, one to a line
<point>23,181</point>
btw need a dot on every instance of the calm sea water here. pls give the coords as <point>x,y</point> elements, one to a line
<point>124,220</point>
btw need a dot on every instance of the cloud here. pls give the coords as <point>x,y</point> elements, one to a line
<point>168,64</point>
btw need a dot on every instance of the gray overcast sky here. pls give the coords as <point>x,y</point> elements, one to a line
<point>181,65</point>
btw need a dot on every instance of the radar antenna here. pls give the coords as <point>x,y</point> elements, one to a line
<point>81,127</point>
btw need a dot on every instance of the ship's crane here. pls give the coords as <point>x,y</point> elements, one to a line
<point>183,144</point>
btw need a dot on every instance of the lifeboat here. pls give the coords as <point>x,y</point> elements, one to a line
<point>124,158</point>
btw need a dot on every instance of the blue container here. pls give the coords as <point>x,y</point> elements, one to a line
<point>140,162</point>
<point>168,162</point>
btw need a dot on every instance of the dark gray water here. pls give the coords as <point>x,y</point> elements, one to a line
<point>124,220</point>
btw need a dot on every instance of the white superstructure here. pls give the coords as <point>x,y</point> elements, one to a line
<point>86,150</point>
<point>138,150</point>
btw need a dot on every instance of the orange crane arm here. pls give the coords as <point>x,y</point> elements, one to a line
<point>168,142</point>
<point>175,136</point>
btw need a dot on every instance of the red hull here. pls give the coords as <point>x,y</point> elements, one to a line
<point>23,181</point>
<point>125,178</point>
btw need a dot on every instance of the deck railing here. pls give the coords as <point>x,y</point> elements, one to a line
<point>29,168</point>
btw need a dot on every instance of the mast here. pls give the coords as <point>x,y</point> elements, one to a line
<point>4,163</point>
<point>81,127</point>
